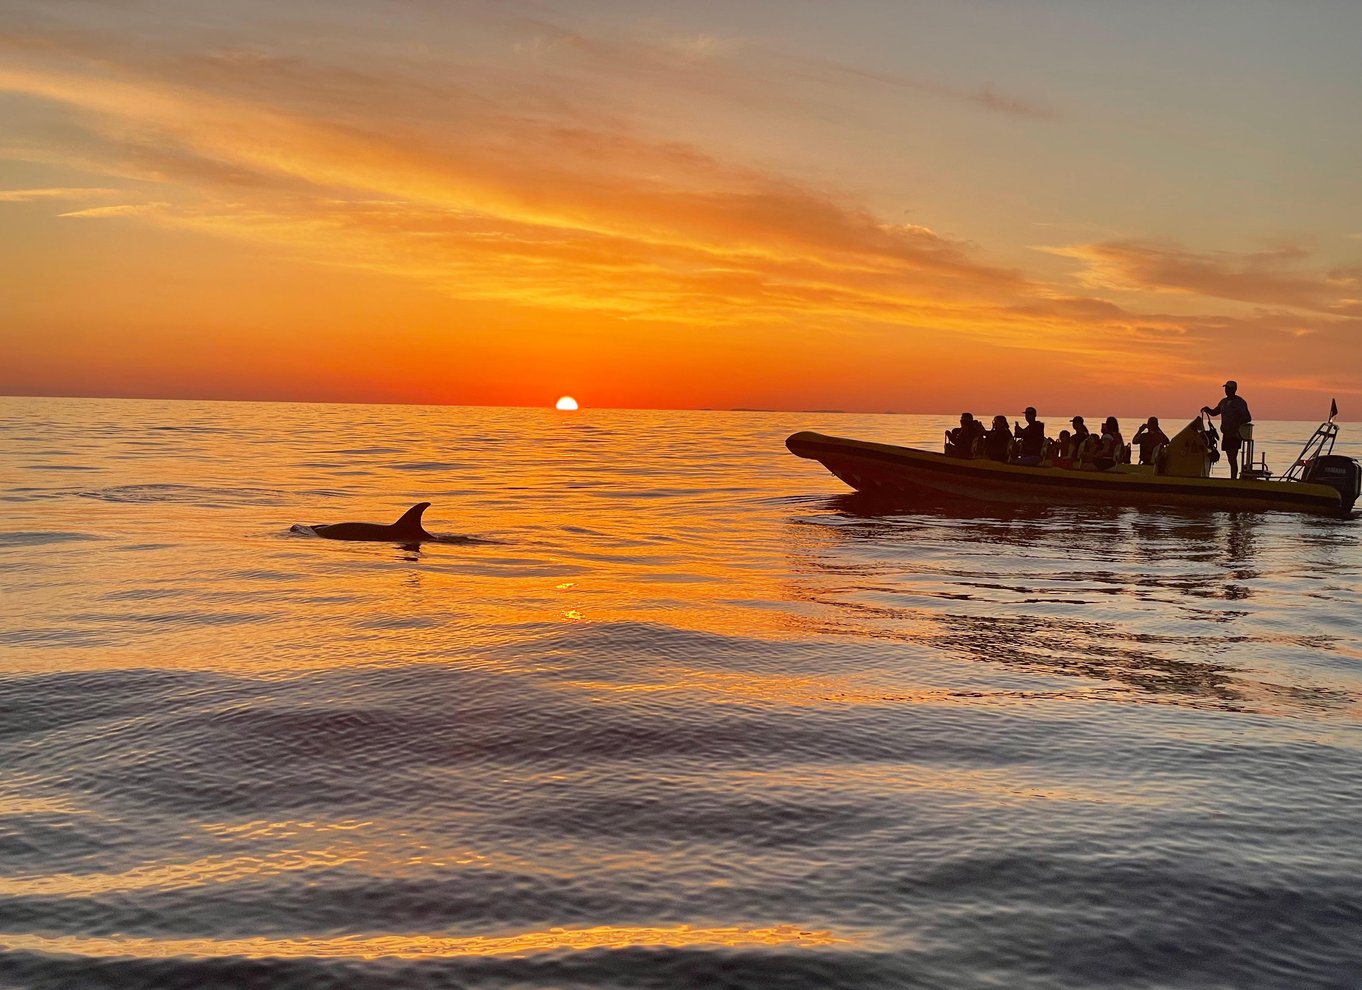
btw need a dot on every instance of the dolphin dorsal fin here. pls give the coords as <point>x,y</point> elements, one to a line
<point>411,519</point>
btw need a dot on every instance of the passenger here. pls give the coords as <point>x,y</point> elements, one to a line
<point>960,442</point>
<point>1080,436</point>
<point>1111,447</point>
<point>1062,451</point>
<point>998,441</point>
<point>1147,437</point>
<point>1096,453</point>
<point>1032,437</point>
<point>1235,413</point>
<point>1085,453</point>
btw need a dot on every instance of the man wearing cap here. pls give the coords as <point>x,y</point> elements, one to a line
<point>1234,413</point>
<point>1080,436</point>
<point>1032,437</point>
<point>1080,432</point>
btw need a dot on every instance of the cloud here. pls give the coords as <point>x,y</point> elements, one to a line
<point>736,69</point>
<point>125,210</point>
<point>29,195</point>
<point>582,202</point>
<point>987,96</point>
<point>1270,278</point>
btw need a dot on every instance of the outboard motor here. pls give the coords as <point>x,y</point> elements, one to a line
<point>1343,474</point>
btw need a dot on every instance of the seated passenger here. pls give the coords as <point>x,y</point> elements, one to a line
<point>998,441</point>
<point>1062,450</point>
<point>1103,453</point>
<point>1113,442</point>
<point>961,441</point>
<point>1085,452</point>
<point>1031,437</point>
<point>1080,435</point>
<point>1147,437</point>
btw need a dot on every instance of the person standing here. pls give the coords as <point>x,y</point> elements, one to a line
<point>1032,437</point>
<point>1234,413</point>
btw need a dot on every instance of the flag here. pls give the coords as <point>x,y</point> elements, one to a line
<point>1333,409</point>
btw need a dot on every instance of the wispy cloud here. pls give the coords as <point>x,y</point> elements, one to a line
<point>29,195</point>
<point>1272,278</point>
<point>505,197</point>
<point>987,96</point>
<point>741,69</point>
<point>123,210</point>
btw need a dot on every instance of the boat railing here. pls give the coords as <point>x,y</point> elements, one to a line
<point>1320,444</point>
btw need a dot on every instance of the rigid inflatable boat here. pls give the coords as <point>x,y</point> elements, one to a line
<point>1319,481</point>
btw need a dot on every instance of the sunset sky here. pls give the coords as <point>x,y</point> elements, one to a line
<point>859,205</point>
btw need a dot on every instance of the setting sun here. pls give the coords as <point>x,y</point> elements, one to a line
<point>566,403</point>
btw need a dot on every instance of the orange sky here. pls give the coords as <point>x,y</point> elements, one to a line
<point>652,205</point>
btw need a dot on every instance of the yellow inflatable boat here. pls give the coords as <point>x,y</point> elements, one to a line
<point>1319,482</point>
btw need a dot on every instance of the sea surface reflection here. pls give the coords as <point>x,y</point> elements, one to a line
<point>664,706</point>
<point>1114,600</point>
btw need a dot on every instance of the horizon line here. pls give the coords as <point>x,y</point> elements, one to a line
<point>548,406</point>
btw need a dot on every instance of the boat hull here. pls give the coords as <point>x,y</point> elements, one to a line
<point>905,472</point>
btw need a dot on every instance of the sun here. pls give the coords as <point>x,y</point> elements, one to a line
<point>567,403</point>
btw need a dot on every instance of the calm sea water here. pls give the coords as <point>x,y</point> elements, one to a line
<point>665,708</point>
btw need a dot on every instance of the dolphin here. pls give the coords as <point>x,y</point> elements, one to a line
<point>408,529</point>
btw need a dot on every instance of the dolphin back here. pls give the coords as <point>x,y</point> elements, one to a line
<point>410,522</point>
<point>407,529</point>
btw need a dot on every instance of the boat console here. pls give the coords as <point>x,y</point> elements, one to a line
<point>1189,454</point>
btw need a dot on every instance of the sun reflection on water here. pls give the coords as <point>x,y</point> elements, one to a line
<point>421,946</point>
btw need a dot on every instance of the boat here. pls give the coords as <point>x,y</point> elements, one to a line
<point>1319,481</point>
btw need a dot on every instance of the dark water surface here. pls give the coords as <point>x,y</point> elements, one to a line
<point>666,709</point>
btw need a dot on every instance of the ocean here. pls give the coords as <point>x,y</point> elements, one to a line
<point>665,706</point>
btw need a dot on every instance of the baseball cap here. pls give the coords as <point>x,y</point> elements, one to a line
<point>1231,384</point>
